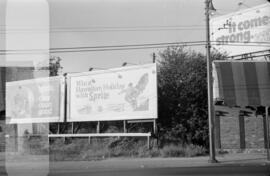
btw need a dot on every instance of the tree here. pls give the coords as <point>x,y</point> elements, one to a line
<point>182,91</point>
<point>55,68</point>
<point>55,65</point>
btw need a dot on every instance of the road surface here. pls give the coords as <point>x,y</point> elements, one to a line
<point>247,164</point>
<point>196,171</point>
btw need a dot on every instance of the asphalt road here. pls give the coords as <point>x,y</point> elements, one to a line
<point>260,170</point>
<point>229,165</point>
<point>196,171</point>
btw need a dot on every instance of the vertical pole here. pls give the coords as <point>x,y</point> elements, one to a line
<point>212,158</point>
<point>155,126</point>
<point>267,132</point>
<point>217,125</point>
<point>155,133</point>
<point>72,127</point>
<point>148,142</point>
<point>125,126</point>
<point>58,128</point>
<point>241,120</point>
<point>98,127</point>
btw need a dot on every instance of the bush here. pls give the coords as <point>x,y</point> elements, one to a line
<point>36,145</point>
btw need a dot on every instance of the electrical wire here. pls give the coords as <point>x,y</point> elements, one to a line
<point>129,47</point>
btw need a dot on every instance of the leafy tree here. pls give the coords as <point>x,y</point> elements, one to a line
<point>182,91</point>
<point>55,69</point>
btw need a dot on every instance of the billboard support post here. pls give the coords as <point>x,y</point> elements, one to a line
<point>58,128</point>
<point>89,140</point>
<point>267,132</point>
<point>98,127</point>
<point>155,126</point>
<point>212,159</point>
<point>148,142</point>
<point>72,127</point>
<point>125,126</point>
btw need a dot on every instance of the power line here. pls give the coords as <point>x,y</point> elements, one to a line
<point>76,50</point>
<point>128,47</point>
<point>147,44</point>
<point>114,46</point>
<point>101,30</point>
<point>95,27</point>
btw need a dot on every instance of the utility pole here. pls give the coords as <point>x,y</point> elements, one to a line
<point>211,113</point>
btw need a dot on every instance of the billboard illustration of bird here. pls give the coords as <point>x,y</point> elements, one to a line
<point>132,94</point>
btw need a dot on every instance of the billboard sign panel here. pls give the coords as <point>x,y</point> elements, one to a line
<point>115,94</point>
<point>243,31</point>
<point>35,101</point>
<point>245,83</point>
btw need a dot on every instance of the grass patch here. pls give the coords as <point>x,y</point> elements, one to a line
<point>102,148</point>
<point>173,150</point>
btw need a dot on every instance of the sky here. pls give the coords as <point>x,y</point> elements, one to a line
<point>91,23</point>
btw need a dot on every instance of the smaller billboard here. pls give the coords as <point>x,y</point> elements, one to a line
<point>242,32</point>
<point>245,83</point>
<point>124,93</point>
<point>35,101</point>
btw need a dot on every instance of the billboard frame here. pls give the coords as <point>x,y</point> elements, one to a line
<point>54,119</point>
<point>231,23</point>
<point>69,76</point>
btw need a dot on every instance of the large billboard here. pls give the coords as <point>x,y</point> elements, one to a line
<point>115,94</point>
<point>245,83</point>
<point>35,101</point>
<point>243,31</point>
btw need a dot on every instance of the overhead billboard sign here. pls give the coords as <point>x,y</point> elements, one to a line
<point>245,83</point>
<point>243,31</point>
<point>35,101</point>
<point>115,94</point>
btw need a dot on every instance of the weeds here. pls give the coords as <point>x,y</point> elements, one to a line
<point>103,148</point>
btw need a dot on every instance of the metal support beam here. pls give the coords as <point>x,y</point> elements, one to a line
<point>267,132</point>
<point>148,142</point>
<point>58,128</point>
<point>72,127</point>
<point>241,120</point>
<point>155,126</point>
<point>98,127</point>
<point>125,126</point>
<point>140,121</point>
<point>217,129</point>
